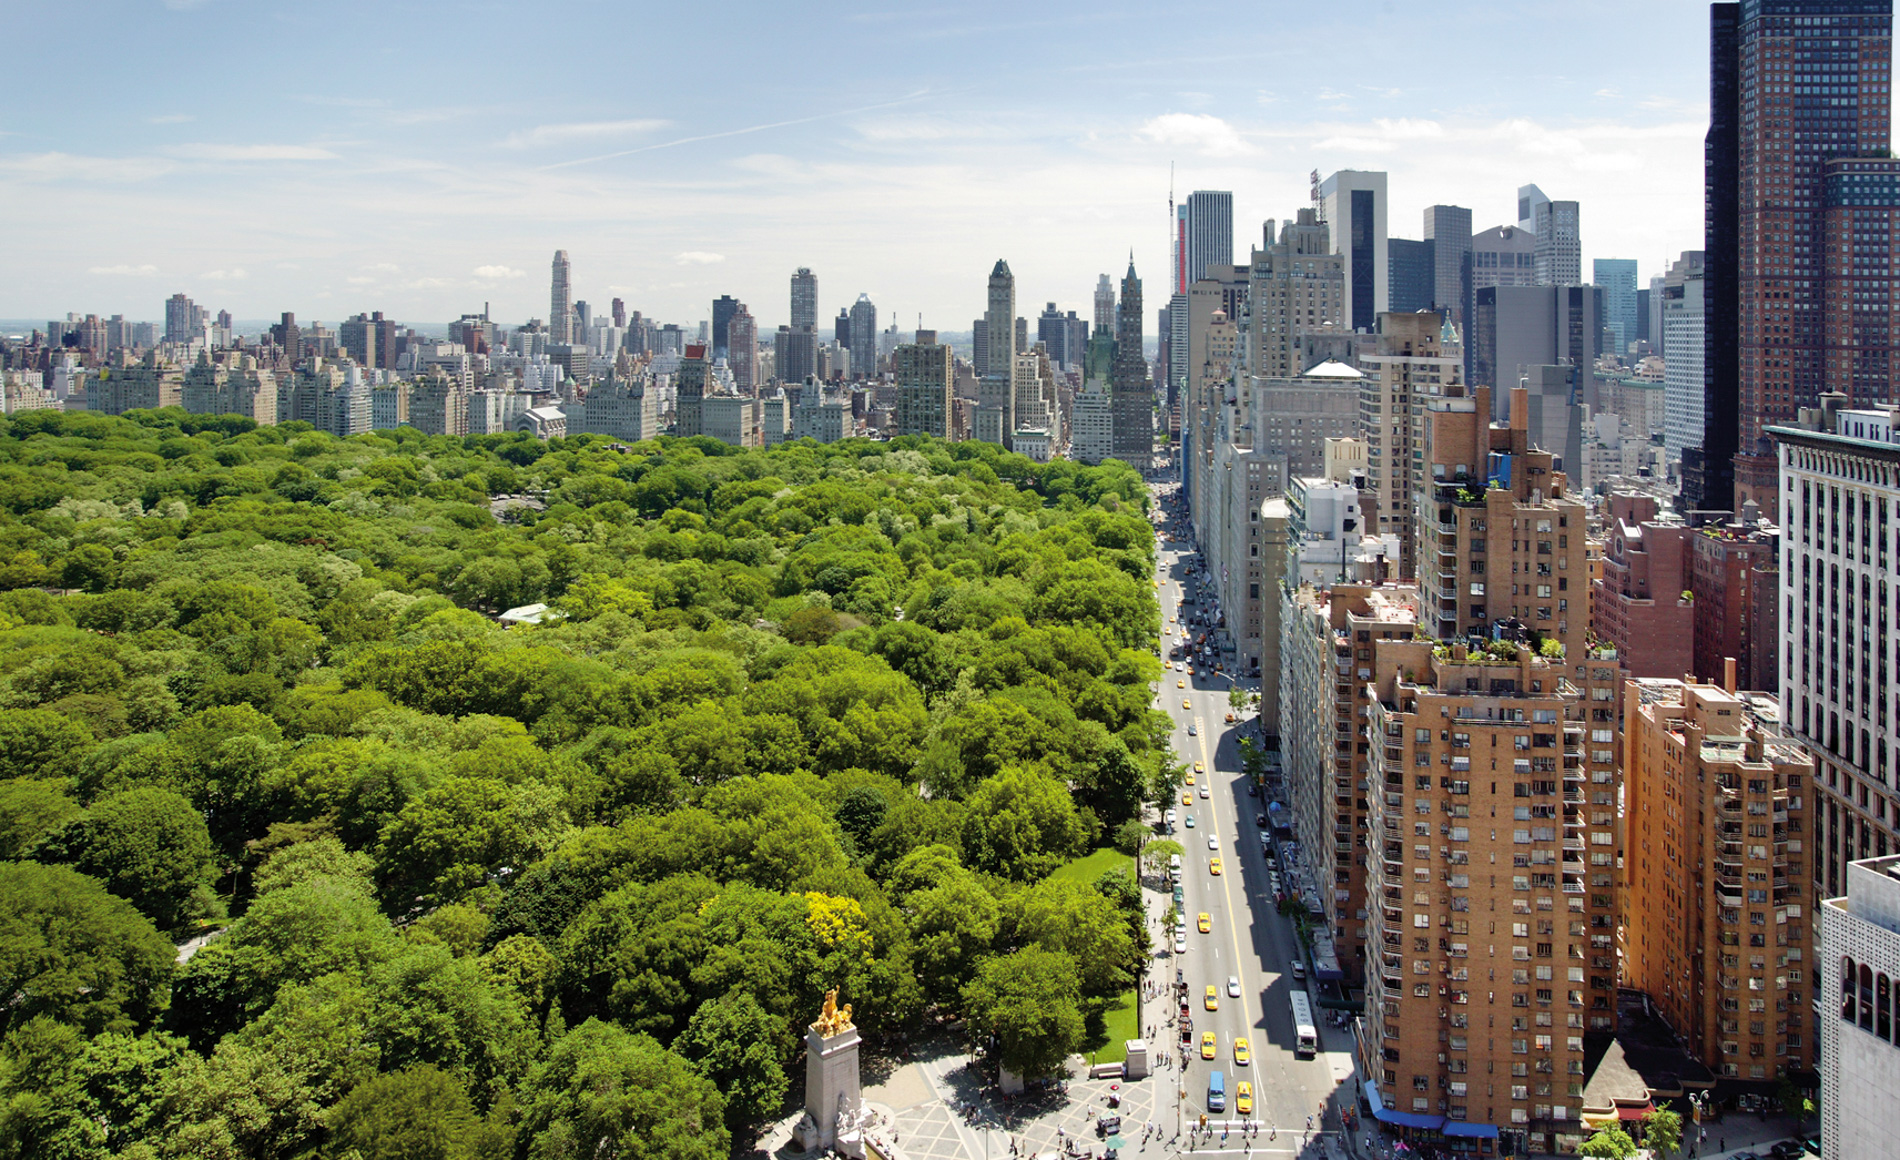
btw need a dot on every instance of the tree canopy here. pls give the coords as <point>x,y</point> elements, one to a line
<point>813,717</point>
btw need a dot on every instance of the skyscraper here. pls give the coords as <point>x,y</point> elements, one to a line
<point>724,307</point>
<point>184,319</point>
<point>1617,276</point>
<point>561,300</point>
<point>1796,84</point>
<point>1354,201</point>
<point>620,314</point>
<point>1131,398</point>
<point>1683,344</point>
<point>864,337</point>
<point>804,299</point>
<point>1448,229</point>
<point>1104,306</point>
<point>1209,234</point>
<point>742,333</point>
<point>924,371</point>
<point>1559,244</point>
<point>1410,277</point>
<point>995,418</point>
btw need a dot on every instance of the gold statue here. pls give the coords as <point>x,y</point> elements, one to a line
<point>833,1020</point>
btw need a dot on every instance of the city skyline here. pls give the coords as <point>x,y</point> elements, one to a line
<point>431,196</point>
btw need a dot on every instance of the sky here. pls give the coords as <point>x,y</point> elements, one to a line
<point>423,159</point>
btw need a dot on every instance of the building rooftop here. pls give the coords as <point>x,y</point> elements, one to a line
<point>1332,368</point>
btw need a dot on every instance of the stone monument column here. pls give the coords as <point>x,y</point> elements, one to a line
<point>834,1105</point>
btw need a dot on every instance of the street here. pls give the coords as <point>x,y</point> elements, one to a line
<point>1248,940</point>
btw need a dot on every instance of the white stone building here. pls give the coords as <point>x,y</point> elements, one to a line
<point>1860,1026</point>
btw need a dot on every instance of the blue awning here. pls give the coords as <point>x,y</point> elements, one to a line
<point>1372,1097</point>
<point>1409,1119</point>
<point>1471,1131</point>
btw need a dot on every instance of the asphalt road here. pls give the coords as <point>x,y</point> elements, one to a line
<point>1249,939</point>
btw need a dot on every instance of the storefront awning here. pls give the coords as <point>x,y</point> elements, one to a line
<point>1471,1131</point>
<point>1410,1119</point>
<point>1624,1112</point>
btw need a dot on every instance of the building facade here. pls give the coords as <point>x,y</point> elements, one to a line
<point>1860,1028</point>
<point>924,370</point>
<point>1355,212</point>
<point>1718,906</point>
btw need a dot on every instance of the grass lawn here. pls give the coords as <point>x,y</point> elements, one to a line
<point>1089,867</point>
<point>1121,1023</point>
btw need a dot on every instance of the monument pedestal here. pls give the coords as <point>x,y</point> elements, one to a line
<point>834,1104</point>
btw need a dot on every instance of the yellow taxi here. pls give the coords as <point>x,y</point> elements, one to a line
<point>1242,1052</point>
<point>1187,799</point>
<point>1190,779</point>
<point>1213,867</point>
<point>1206,923</point>
<point>1186,704</point>
<point>1213,997</point>
<point>1209,1048</point>
<point>1230,718</point>
<point>1198,768</point>
<point>1171,620</point>
<point>1180,683</point>
<point>1243,1097</point>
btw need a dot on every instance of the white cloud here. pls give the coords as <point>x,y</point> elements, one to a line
<point>698,258</point>
<point>210,152</point>
<point>360,280</point>
<point>87,170</point>
<point>499,272</point>
<point>1201,132</point>
<point>579,131</point>
<point>124,271</point>
<point>235,274</point>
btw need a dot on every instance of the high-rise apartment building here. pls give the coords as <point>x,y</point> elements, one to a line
<point>1296,287</point>
<point>1491,890</point>
<point>1840,515</point>
<point>925,371</point>
<point>742,352</point>
<point>357,336</point>
<point>690,389</point>
<point>864,338</point>
<point>1354,201</point>
<point>237,386</point>
<point>1410,367</point>
<point>1860,1028</point>
<point>995,418</point>
<point>794,354</point>
<point>1326,692</point>
<point>804,299</point>
<point>1131,396</point>
<point>1617,278</point>
<point>1798,84</point>
<point>561,300</point>
<point>1448,230</point>
<point>184,319</point>
<point>1209,235</point>
<point>1717,906</point>
<point>1642,605</point>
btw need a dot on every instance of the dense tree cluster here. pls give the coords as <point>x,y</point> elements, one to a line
<point>812,717</point>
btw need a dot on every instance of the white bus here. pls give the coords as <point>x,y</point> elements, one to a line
<point>1305,1035</point>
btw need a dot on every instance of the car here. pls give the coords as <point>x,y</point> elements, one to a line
<point>1169,818</point>
<point>1182,684</point>
<point>1189,779</point>
<point>1212,999</point>
<point>1180,943</point>
<point>1242,1052</point>
<point>1230,718</point>
<point>1260,820</point>
<point>1198,768</point>
<point>1243,1097</point>
<point>1187,799</point>
<point>1233,986</point>
<point>1213,867</point>
<point>1203,791</point>
<point>1186,704</point>
<point>1788,1150</point>
<point>1190,821</point>
<point>1171,620</point>
<point>1205,922</point>
<point>1209,1046</point>
<point>1213,843</point>
<point>1299,969</point>
<point>1192,731</point>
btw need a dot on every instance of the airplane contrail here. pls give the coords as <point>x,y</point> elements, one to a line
<point>736,132</point>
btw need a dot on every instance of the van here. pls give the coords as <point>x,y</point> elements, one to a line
<point>1174,866</point>
<point>1216,1093</point>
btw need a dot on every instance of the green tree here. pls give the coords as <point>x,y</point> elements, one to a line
<point>1025,1007</point>
<point>418,1113</point>
<point>1022,825</point>
<point>447,842</point>
<point>39,743</point>
<point>148,846</point>
<point>1662,1132</point>
<point>732,1041</point>
<point>1156,855</point>
<point>73,952</point>
<point>605,1091</point>
<point>29,809</point>
<point>1609,1144</point>
<point>1088,927</point>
